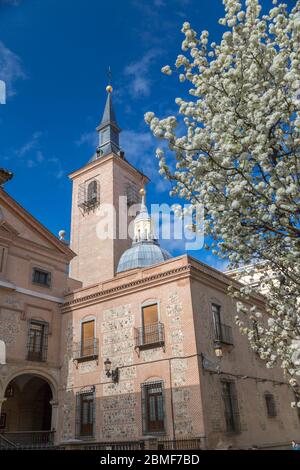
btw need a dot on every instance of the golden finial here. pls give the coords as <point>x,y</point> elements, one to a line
<point>142,191</point>
<point>109,89</point>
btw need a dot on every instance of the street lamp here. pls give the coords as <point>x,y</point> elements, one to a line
<point>218,349</point>
<point>114,374</point>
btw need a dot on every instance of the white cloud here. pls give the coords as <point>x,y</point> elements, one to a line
<point>58,169</point>
<point>89,138</point>
<point>10,68</point>
<point>140,149</point>
<point>30,145</point>
<point>137,144</point>
<point>31,155</point>
<point>215,262</point>
<point>138,73</point>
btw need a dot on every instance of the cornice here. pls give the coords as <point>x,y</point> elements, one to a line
<point>221,281</point>
<point>34,224</point>
<point>124,289</point>
<point>101,161</point>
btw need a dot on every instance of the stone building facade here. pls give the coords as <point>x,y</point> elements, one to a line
<point>33,282</point>
<point>133,344</point>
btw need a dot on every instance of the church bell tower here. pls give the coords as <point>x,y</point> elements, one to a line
<point>96,204</point>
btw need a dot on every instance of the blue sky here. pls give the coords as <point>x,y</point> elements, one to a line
<point>54,56</point>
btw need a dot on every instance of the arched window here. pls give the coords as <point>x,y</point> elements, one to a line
<point>92,192</point>
<point>89,194</point>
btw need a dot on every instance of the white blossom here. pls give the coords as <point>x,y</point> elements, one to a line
<point>237,145</point>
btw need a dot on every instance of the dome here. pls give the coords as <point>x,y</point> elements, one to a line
<point>145,249</point>
<point>142,254</point>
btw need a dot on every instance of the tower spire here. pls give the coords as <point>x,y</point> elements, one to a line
<point>108,129</point>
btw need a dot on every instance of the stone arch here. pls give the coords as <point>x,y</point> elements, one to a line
<point>37,373</point>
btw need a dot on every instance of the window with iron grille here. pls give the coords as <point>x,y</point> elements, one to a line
<point>89,194</point>
<point>37,341</point>
<point>41,277</point>
<point>85,413</point>
<point>232,416</point>
<point>132,193</point>
<point>270,405</point>
<point>223,333</point>
<point>153,407</point>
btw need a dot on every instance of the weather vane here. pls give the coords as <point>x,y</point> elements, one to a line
<point>109,74</point>
<point>109,88</point>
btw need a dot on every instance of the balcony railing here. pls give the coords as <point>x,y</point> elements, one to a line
<point>84,350</point>
<point>27,439</point>
<point>223,333</point>
<point>150,335</point>
<point>39,355</point>
<point>182,444</point>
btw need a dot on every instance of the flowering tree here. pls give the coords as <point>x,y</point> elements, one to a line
<point>239,156</point>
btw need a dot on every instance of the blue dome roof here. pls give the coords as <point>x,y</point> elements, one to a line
<point>142,254</point>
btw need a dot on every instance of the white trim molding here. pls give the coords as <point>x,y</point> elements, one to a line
<point>31,293</point>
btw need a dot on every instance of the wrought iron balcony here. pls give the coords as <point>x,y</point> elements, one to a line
<point>223,333</point>
<point>85,350</point>
<point>150,336</point>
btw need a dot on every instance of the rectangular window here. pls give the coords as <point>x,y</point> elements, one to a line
<point>223,333</point>
<point>153,408</point>
<point>85,408</point>
<point>37,341</point>
<point>232,416</point>
<point>216,309</point>
<point>132,193</point>
<point>271,405</point>
<point>2,258</point>
<point>87,338</point>
<point>41,277</point>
